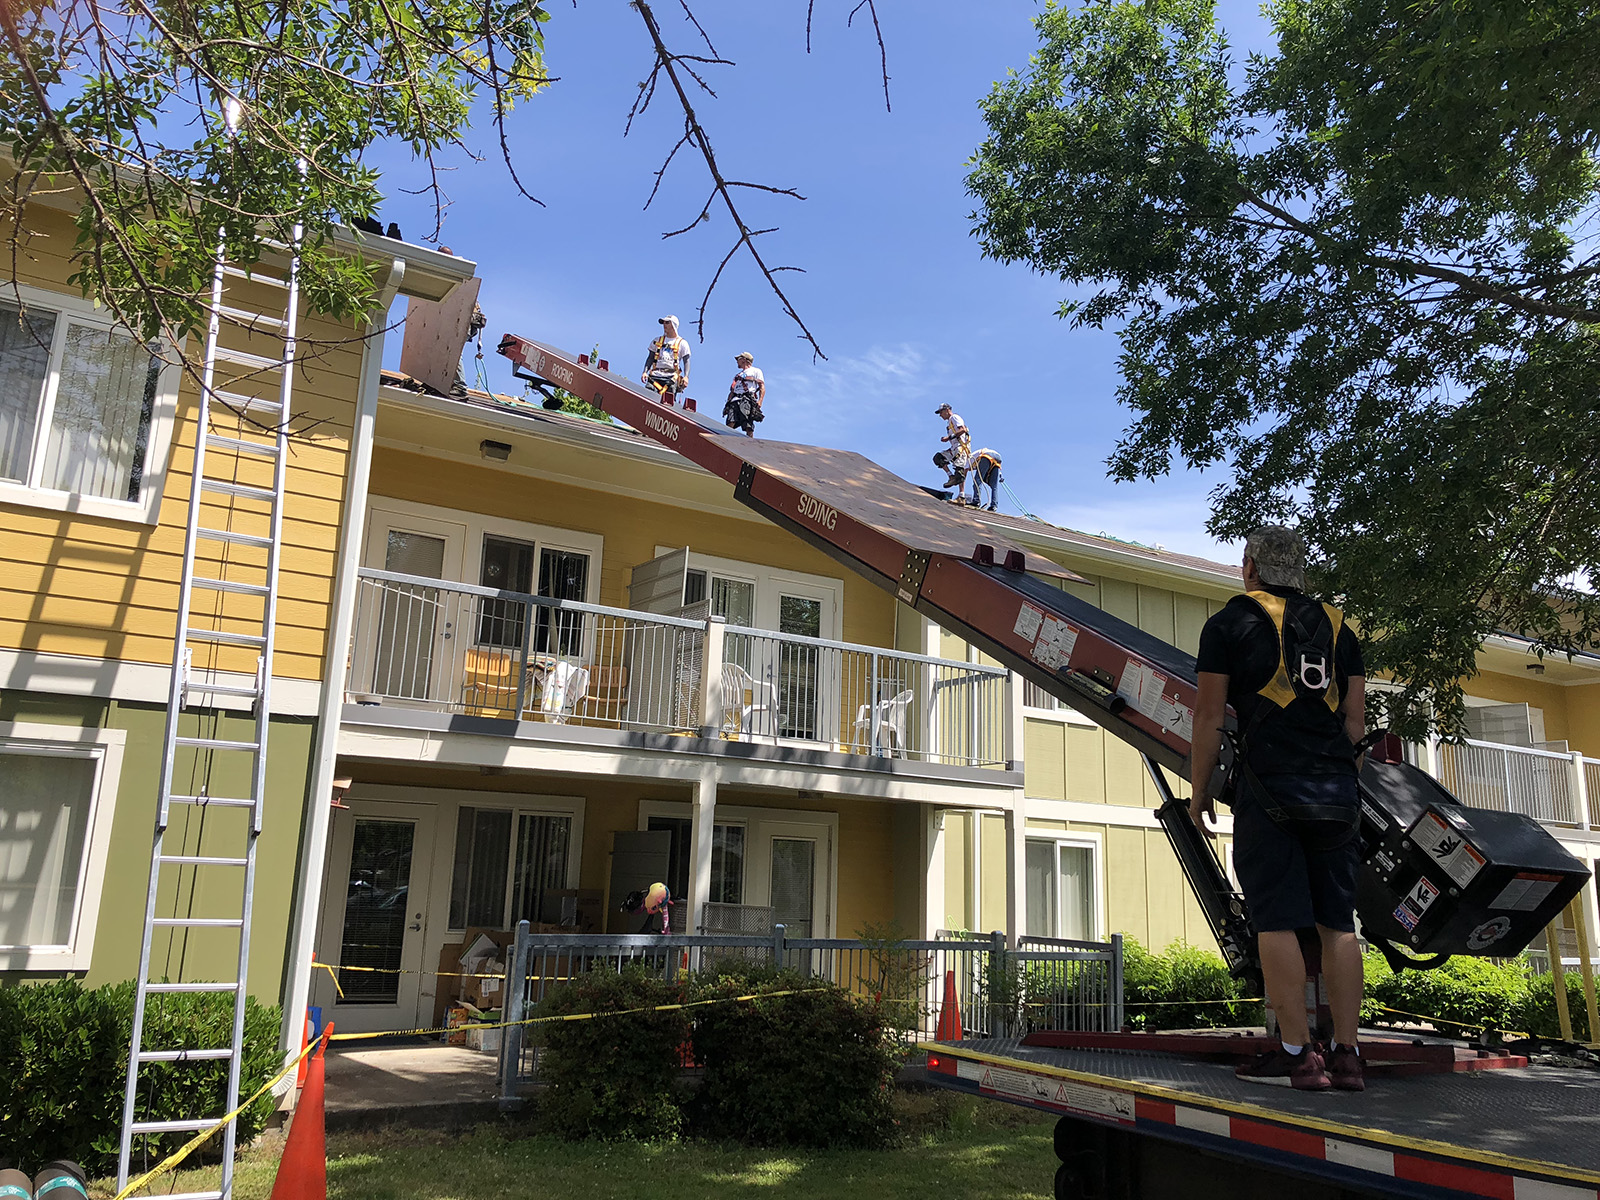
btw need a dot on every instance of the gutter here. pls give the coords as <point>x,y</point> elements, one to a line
<point>307,910</point>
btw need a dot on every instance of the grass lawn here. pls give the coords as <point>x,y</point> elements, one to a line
<point>951,1146</point>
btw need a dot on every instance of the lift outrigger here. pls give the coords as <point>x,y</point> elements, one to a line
<point>1439,880</point>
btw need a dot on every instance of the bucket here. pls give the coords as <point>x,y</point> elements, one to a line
<point>59,1180</point>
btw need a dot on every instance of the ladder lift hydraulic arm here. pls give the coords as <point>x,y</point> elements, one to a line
<point>1438,880</point>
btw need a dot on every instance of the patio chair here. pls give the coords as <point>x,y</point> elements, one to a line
<point>564,685</point>
<point>891,724</point>
<point>749,705</point>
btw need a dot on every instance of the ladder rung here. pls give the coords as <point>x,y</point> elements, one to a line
<point>239,446</point>
<point>231,536</point>
<point>247,317</point>
<point>219,801</point>
<point>203,743</point>
<point>245,403</point>
<point>184,1055</point>
<point>200,922</point>
<point>226,689</point>
<point>222,635</point>
<point>191,1126</point>
<point>228,585</point>
<point>169,989</point>
<point>204,860</point>
<point>240,358</point>
<point>269,280</point>
<point>228,488</point>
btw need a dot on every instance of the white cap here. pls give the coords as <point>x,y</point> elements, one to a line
<point>669,319</point>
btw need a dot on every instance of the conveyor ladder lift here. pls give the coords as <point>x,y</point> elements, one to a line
<point>228,607</point>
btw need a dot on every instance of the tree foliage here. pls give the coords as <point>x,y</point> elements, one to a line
<point>1359,274</point>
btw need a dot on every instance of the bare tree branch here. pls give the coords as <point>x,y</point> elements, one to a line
<point>883,53</point>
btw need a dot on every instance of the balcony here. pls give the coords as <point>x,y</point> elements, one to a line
<point>1550,787</point>
<point>428,646</point>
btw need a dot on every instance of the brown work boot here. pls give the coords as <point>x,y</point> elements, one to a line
<point>1278,1067</point>
<point>1344,1069</point>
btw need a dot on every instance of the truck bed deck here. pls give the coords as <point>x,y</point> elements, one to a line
<point>1526,1134</point>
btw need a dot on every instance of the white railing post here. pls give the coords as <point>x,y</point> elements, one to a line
<point>1014,730</point>
<point>876,716</point>
<point>1580,789</point>
<point>1431,757</point>
<point>712,701</point>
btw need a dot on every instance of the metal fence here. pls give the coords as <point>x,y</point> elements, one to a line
<point>862,700</point>
<point>1076,985</point>
<point>1537,783</point>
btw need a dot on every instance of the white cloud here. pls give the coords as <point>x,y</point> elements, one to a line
<point>1173,521</point>
<point>863,401</point>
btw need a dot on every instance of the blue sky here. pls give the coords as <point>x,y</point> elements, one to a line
<point>894,288</point>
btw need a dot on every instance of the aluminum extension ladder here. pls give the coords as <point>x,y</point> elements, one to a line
<point>227,608</point>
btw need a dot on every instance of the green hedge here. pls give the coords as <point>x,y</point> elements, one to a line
<point>815,1068</point>
<point>613,1077</point>
<point>1183,987</point>
<point>64,1061</point>
<point>1469,994</point>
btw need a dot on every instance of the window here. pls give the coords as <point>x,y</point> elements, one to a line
<point>563,575</point>
<point>1041,702</point>
<point>727,858</point>
<point>57,798</point>
<point>493,887</point>
<point>1060,885</point>
<point>80,404</point>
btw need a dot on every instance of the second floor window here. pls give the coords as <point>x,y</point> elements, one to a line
<point>510,565</point>
<point>77,399</point>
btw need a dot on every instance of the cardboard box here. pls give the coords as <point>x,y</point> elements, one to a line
<point>451,989</point>
<point>459,1014</point>
<point>572,910</point>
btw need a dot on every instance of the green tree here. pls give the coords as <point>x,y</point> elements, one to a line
<point>1358,274</point>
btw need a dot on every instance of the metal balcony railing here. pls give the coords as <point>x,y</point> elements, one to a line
<point>450,647</point>
<point>1543,784</point>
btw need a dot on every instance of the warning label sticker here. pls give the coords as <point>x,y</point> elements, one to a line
<point>1174,715</point>
<point>1525,892</point>
<point>1378,820</point>
<point>1416,902</point>
<point>1141,686</point>
<point>1027,626</point>
<point>1447,847</point>
<point>1060,1094</point>
<point>1054,642</point>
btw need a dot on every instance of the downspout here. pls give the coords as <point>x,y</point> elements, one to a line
<point>319,810</point>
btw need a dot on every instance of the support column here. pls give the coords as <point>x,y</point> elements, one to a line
<point>933,880</point>
<point>1015,730</point>
<point>701,826</point>
<point>1016,860</point>
<point>1580,789</point>
<point>712,701</point>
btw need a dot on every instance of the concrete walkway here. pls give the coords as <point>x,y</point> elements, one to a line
<point>408,1080</point>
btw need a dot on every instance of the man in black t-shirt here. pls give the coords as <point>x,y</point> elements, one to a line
<point>1293,672</point>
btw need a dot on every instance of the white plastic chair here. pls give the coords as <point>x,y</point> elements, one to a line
<point>756,715</point>
<point>891,724</point>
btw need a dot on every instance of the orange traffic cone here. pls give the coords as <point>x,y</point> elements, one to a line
<point>949,1027</point>
<point>303,1169</point>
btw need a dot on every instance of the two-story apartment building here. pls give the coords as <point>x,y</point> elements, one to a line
<point>528,661</point>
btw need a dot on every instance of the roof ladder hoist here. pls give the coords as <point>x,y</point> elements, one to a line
<point>227,607</point>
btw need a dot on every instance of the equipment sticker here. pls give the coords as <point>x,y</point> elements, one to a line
<point>1141,687</point>
<point>1525,893</point>
<point>1180,717</point>
<point>1448,848</point>
<point>1055,642</point>
<point>1373,815</point>
<point>1027,626</point>
<point>1101,1103</point>
<point>1417,900</point>
<point>1487,934</point>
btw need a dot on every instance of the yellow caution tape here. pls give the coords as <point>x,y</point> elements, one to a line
<point>176,1157</point>
<point>333,972</point>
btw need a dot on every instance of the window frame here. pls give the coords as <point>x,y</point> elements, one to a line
<point>1094,843</point>
<point>518,806</point>
<point>105,748</point>
<point>770,583</point>
<point>146,510</point>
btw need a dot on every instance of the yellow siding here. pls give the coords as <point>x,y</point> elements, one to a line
<point>1583,722</point>
<point>107,588</point>
<point>1507,689</point>
<point>632,529</point>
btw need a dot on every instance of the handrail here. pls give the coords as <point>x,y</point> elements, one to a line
<point>1530,751</point>
<point>881,651</point>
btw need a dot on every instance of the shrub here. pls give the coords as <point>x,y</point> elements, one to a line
<point>1463,995</point>
<point>811,1069</point>
<point>1182,988</point>
<point>1539,1016</point>
<point>612,1077</point>
<point>64,1059</point>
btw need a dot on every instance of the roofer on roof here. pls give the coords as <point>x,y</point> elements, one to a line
<point>986,471</point>
<point>666,361</point>
<point>745,394</point>
<point>954,461</point>
<point>1292,670</point>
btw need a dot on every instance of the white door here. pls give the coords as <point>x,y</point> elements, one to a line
<point>806,677</point>
<point>375,914</point>
<point>409,637</point>
<point>791,868</point>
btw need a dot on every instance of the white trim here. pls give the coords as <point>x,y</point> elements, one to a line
<point>1095,843</point>
<point>1125,816</point>
<point>147,509</point>
<point>146,683</point>
<point>1058,716</point>
<point>759,822</point>
<point>480,525</point>
<point>105,747</point>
